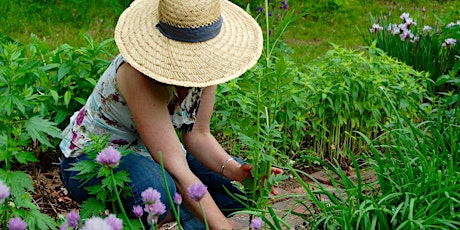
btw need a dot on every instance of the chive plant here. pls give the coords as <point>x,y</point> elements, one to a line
<point>416,169</point>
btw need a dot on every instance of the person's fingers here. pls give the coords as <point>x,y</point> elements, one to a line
<point>276,170</point>
<point>245,172</point>
<point>274,191</point>
<point>246,168</point>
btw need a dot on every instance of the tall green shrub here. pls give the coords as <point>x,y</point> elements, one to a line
<point>344,94</point>
<point>39,89</point>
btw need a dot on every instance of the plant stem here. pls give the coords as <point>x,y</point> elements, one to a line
<point>120,204</point>
<point>170,199</point>
<point>204,216</point>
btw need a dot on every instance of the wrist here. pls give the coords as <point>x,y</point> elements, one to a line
<point>228,167</point>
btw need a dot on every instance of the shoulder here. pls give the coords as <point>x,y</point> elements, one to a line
<point>133,83</point>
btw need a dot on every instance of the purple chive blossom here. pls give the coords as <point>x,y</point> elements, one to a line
<point>109,157</point>
<point>4,191</point>
<point>449,43</point>
<point>63,226</point>
<point>375,28</point>
<point>80,116</point>
<point>177,199</point>
<point>72,219</point>
<point>270,13</point>
<point>150,196</point>
<point>155,210</point>
<point>114,222</point>
<point>96,223</point>
<point>257,223</point>
<point>260,9</point>
<point>197,191</point>
<point>138,211</point>
<point>16,224</point>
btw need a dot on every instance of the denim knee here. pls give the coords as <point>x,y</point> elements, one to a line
<point>143,173</point>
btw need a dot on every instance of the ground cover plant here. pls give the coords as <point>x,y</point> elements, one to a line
<point>353,106</point>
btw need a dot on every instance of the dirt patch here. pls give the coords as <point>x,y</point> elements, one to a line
<point>50,193</point>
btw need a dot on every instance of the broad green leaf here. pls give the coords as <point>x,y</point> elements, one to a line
<point>55,95</point>
<point>25,157</point>
<point>49,67</point>
<point>91,207</point>
<point>37,220</point>
<point>64,69</point>
<point>39,129</point>
<point>67,97</point>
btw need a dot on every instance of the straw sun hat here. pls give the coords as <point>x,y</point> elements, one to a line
<point>191,43</point>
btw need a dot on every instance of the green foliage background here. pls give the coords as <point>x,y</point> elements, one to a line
<point>316,95</point>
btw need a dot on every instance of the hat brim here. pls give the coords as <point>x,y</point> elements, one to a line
<point>232,52</point>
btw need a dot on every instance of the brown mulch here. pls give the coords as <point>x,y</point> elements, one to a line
<point>49,192</point>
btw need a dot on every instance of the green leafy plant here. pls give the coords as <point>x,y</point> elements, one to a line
<point>113,184</point>
<point>416,170</point>
<point>257,122</point>
<point>345,95</point>
<point>28,88</point>
<point>21,127</point>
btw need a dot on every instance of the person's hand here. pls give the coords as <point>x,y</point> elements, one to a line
<point>245,172</point>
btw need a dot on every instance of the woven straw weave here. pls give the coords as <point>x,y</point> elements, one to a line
<point>235,49</point>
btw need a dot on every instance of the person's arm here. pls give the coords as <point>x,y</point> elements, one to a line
<point>203,145</point>
<point>147,101</point>
<point>207,150</point>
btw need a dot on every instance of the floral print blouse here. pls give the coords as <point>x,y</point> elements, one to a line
<point>106,113</point>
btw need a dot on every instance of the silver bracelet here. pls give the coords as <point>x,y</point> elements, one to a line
<point>224,164</point>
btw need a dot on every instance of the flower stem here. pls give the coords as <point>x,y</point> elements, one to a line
<point>174,210</point>
<point>120,204</point>
<point>204,216</point>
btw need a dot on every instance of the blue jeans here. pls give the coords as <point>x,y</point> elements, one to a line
<point>145,173</point>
